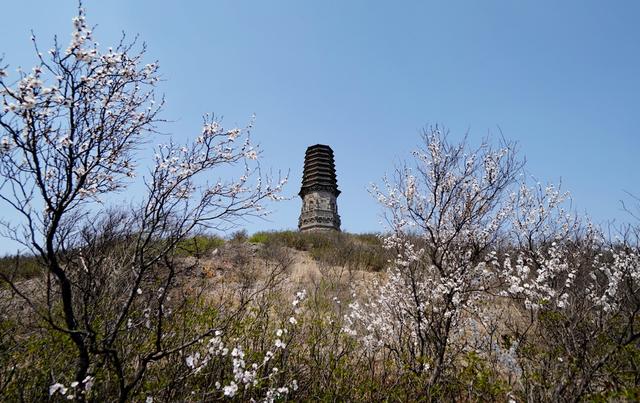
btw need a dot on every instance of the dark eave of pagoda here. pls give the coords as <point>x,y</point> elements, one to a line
<point>319,170</point>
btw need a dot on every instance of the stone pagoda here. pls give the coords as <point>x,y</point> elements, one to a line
<point>319,191</point>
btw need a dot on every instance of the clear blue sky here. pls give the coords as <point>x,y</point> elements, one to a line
<point>560,78</point>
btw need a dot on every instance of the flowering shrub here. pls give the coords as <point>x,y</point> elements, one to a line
<point>578,294</point>
<point>71,131</point>
<point>452,200</point>
<point>263,379</point>
<point>468,235</point>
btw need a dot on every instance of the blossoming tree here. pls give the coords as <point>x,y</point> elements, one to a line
<point>578,295</point>
<point>71,130</point>
<point>445,215</point>
<point>493,268</point>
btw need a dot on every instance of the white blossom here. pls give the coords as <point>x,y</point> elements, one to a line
<point>231,389</point>
<point>57,387</point>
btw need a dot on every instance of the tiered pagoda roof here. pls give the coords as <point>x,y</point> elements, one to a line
<point>319,170</point>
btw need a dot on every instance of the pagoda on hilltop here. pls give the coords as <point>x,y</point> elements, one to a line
<point>319,191</point>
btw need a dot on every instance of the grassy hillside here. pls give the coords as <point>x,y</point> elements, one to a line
<point>297,316</point>
<point>353,251</point>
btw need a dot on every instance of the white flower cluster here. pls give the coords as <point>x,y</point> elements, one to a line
<point>28,94</point>
<point>246,375</point>
<point>606,286</point>
<point>540,272</point>
<point>402,309</point>
<point>539,286</point>
<point>177,166</point>
<point>72,389</point>
<point>544,271</point>
<point>83,113</point>
<point>450,197</point>
<point>447,205</point>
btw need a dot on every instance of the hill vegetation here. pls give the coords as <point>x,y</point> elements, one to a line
<point>352,251</point>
